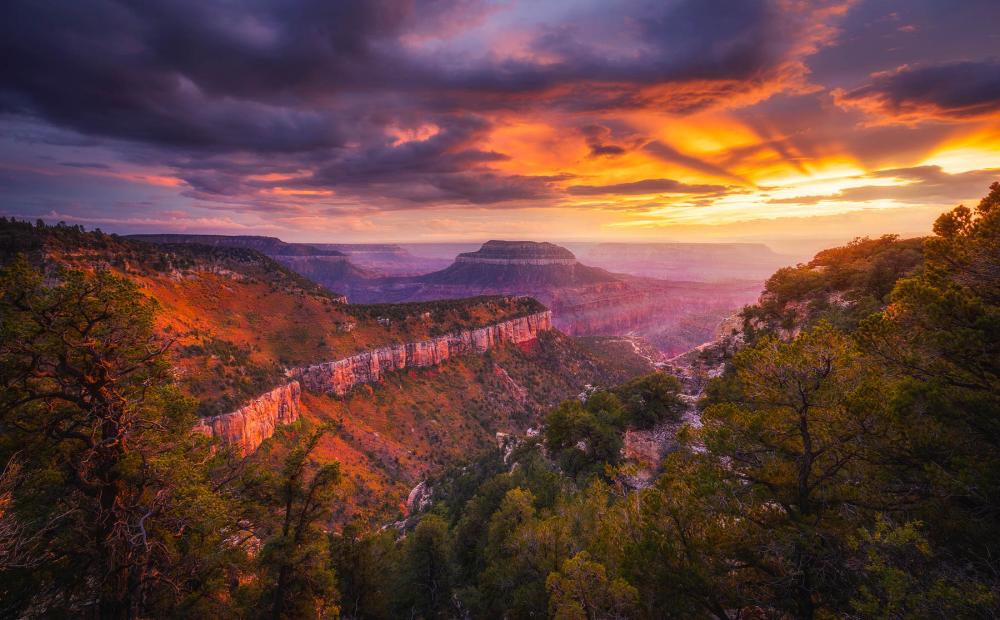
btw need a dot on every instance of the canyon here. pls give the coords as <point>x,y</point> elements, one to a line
<point>387,259</point>
<point>585,300</point>
<point>672,314</point>
<point>247,427</point>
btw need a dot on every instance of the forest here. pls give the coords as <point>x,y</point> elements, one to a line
<point>846,465</point>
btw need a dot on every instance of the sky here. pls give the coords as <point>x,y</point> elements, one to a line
<point>448,120</point>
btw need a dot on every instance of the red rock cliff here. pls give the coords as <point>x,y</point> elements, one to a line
<point>339,376</point>
<point>251,424</point>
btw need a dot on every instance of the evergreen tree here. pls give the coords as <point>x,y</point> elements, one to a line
<point>106,508</point>
<point>299,580</point>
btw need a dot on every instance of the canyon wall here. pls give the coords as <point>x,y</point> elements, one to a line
<point>339,376</point>
<point>251,424</point>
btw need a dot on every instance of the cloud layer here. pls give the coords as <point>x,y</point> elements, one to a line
<point>305,109</point>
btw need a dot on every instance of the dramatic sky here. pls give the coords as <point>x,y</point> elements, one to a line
<point>425,120</point>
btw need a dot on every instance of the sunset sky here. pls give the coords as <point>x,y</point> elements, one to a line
<point>434,120</point>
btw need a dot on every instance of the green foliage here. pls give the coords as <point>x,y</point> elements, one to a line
<point>298,579</point>
<point>901,579</point>
<point>584,437</point>
<point>107,504</point>
<point>364,565</point>
<point>651,399</point>
<point>794,448</point>
<point>581,590</point>
<point>425,581</point>
<point>840,285</point>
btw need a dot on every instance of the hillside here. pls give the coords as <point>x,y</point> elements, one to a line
<point>842,285</point>
<point>240,322</point>
<point>325,266</point>
<point>393,435</point>
<point>271,246</point>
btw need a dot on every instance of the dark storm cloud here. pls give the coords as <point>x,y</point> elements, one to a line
<point>263,75</point>
<point>647,186</point>
<point>189,75</point>
<point>597,138</point>
<point>949,91</point>
<point>85,164</point>
<point>656,42</point>
<point>313,89</point>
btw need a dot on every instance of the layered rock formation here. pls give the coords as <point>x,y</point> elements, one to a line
<point>585,300</point>
<point>518,253</point>
<point>339,376</point>
<point>251,424</point>
<point>504,264</point>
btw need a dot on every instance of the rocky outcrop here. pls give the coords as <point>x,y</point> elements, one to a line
<point>519,394</point>
<point>248,427</point>
<point>251,424</point>
<point>339,376</point>
<point>519,251</point>
<point>419,498</point>
<point>498,265</point>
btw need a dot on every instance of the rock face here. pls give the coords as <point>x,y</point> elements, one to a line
<point>251,424</point>
<point>518,253</point>
<point>500,264</point>
<point>339,376</point>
